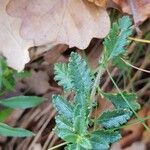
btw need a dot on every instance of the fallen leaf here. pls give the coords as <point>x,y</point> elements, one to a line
<point>101,3</point>
<point>38,82</point>
<point>69,22</point>
<point>12,46</point>
<point>138,8</point>
<point>135,146</point>
<point>134,132</point>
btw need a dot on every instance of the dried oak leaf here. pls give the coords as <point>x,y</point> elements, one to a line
<point>72,22</point>
<point>12,46</point>
<point>138,8</point>
<point>101,3</point>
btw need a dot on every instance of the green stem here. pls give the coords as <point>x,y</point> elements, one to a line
<point>96,82</point>
<point>139,118</point>
<point>57,146</point>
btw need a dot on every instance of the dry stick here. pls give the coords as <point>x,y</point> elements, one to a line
<point>139,118</point>
<point>41,130</point>
<point>114,71</point>
<point>137,73</point>
<point>57,146</point>
<point>127,63</point>
<point>54,139</point>
<point>141,91</point>
<point>48,140</point>
<point>139,40</point>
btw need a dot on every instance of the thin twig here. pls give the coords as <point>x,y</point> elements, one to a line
<point>127,63</point>
<point>57,146</point>
<point>139,40</point>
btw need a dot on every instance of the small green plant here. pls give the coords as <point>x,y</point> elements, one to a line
<point>7,83</point>
<point>74,122</point>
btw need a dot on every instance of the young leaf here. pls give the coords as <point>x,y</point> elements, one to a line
<point>118,101</point>
<point>114,118</point>
<point>21,102</point>
<point>80,74</point>
<point>62,76</point>
<point>63,106</point>
<point>117,39</point>
<point>6,130</point>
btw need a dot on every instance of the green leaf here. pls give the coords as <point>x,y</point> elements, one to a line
<point>117,39</point>
<point>22,102</point>
<point>118,101</point>
<point>108,136</point>
<point>63,106</point>
<point>98,143</point>
<point>6,83</point>
<point>4,114</point>
<point>63,122</point>
<point>73,147</point>
<point>82,99</point>
<point>81,125</point>
<point>62,76</point>
<point>101,139</point>
<point>6,130</point>
<point>66,134</point>
<point>80,74</point>
<point>85,143</point>
<point>114,118</point>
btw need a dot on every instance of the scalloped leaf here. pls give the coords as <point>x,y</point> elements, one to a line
<point>119,102</point>
<point>114,118</point>
<point>62,76</point>
<point>63,106</point>
<point>108,136</point>
<point>117,39</point>
<point>80,73</point>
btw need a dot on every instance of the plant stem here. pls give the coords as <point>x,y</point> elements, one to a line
<point>96,82</point>
<point>139,118</point>
<point>57,146</point>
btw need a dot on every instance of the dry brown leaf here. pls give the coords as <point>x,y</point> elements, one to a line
<point>12,46</point>
<point>101,3</point>
<point>72,22</point>
<point>38,82</point>
<point>140,9</point>
<point>133,132</point>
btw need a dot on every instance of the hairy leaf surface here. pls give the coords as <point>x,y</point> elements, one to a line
<point>114,118</point>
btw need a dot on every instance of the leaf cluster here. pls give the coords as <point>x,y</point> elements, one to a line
<point>74,122</point>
